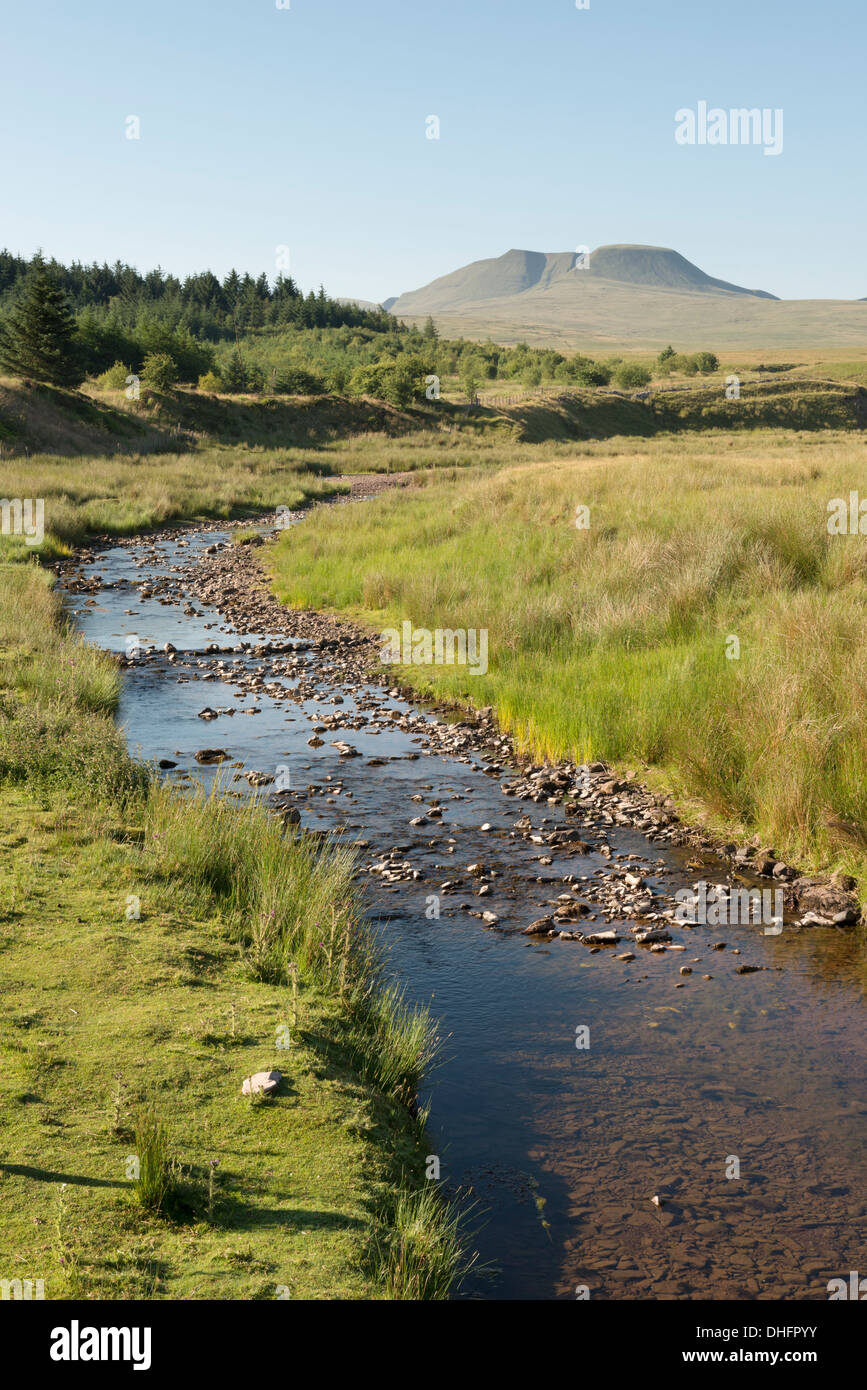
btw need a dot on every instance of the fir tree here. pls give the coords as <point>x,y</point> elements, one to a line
<point>37,337</point>
<point>234,374</point>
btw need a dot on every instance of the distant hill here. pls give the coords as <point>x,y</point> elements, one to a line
<point>623,296</point>
<point>516,272</point>
<point>359,303</point>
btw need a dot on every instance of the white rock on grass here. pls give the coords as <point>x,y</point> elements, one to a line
<point>262,1083</point>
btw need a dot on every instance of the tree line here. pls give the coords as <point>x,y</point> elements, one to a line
<point>61,324</point>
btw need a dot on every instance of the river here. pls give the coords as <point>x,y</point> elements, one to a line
<point>738,1101</point>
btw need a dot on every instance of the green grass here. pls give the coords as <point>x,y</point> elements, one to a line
<point>153,953</point>
<point>611,642</point>
<point>154,1181</point>
<point>123,495</point>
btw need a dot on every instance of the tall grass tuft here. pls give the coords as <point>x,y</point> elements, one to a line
<point>418,1247</point>
<point>152,1149</point>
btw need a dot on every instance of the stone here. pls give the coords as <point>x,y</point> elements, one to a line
<point>541,927</point>
<point>263,1083</point>
<point>212,755</point>
<point>825,899</point>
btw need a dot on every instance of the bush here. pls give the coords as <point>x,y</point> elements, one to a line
<point>706,362</point>
<point>631,374</point>
<point>398,381</point>
<point>115,378</point>
<point>159,371</point>
<point>408,380</point>
<point>684,363</point>
<point>210,382</point>
<point>585,372</point>
<point>295,381</point>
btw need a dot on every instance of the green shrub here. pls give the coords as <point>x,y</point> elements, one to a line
<point>397,380</point>
<point>583,371</point>
<point>295,381</point>
<point>159,371</point>
<point>631,374</point>
<point>115,378</point>
<point>210,382</point>
<point>707,362</point>
<point>683,362</point>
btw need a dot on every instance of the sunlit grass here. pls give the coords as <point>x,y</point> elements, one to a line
<point>612,642</point>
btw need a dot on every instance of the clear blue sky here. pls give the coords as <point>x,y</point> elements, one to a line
<point>306,127</point>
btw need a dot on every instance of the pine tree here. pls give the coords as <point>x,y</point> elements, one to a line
<point>37,337</point>
<point>234,374</point>
<point>430,330</point>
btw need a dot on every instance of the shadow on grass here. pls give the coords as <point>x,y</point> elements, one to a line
<point>24,1170</point>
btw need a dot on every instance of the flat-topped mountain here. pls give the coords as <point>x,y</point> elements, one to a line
<point>516,272</point>
<point>622,295</point>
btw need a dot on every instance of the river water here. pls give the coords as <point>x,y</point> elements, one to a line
<point>738,1101</point>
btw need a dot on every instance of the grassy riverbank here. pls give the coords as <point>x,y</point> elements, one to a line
<point>124,495</point>
<point>612,641</point>
<point>153,953</point>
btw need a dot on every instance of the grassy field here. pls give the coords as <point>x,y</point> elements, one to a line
<point>153,953</point>
<point>598,316</point>
<point>611,641</point>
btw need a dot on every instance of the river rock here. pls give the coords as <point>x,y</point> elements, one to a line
<point>212,755</point>
<point>541,927</point>
<point>829,902</point>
